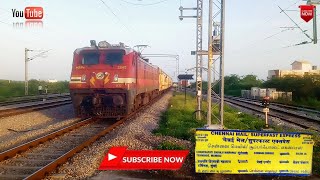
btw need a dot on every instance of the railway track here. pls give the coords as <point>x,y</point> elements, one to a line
<point>43,155</point>
<point>304,122</point>
<point>11,110</point>
<point>302,109</point>
<point>284,109</point>
<point>34,99</point>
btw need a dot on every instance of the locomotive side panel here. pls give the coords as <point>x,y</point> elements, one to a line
<point>147,77</point>
<point>164,81</point>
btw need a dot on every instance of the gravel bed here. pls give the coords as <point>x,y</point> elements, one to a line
<point>135,133</point>
<point>21,128</point>
<point>24,163</point>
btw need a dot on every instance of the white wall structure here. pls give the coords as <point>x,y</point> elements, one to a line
<point>299,68</point>
<point>52,80</point>
<point>301,65</point>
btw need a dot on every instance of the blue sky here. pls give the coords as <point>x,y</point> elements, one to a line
<point>70,24</point>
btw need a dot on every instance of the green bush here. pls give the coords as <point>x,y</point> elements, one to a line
<point>166,145</point>
<point>179,119</point>
<point>10,89</point>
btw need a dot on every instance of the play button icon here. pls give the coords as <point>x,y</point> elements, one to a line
<point>111,156</point>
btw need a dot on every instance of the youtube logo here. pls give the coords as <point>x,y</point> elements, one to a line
<point>29,13</point>
<point>111,157</point>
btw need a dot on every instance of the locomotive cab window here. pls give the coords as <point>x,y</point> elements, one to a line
<point>90,58</point>
<point>113,58</point>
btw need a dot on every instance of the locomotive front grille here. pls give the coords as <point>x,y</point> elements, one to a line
<point>109,111</point>
<point>104,112</point>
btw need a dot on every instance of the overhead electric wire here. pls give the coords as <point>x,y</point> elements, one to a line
<point>284,9</point>
<point>287,29</point>
<point>273,35</point>
<point>38,55</point>
<point>114,14</point>
<point>5,23</point>
<point>292,5</point>
<point>150,4</point>
<point>5,10</point>
<point>295,23</point>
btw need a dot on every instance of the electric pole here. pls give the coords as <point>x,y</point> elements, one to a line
<point>198,54</point>
<point>26,71</point>
<point>26,60</point>
<point>210,62</point>
<point>221,109</point>
<point>315,34</point>
<point>216,48</point>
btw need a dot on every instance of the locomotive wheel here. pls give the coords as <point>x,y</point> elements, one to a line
<point>136,103</point>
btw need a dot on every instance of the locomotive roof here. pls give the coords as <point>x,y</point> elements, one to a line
<point>126,49</point>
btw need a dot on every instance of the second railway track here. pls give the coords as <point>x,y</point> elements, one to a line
<point>293,118</point>
<point>34,99</point>
<point>300,109</point>
<point>12,110</point>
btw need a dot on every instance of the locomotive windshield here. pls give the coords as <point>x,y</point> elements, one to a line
<point>113,58</point>
<point>90,58</point>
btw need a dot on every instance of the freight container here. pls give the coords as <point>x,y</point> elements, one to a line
<point>254,92</point>
<point>245,93</point>
<point>270,92</point>
<point>288,96</point>
<point>283,95</point>
<point>262,93</point>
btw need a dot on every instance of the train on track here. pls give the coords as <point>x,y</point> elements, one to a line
<point>111,81</point>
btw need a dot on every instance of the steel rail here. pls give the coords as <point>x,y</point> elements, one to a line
<point>243,105</point>
<point>41,173</point>
<point>35,99</point>
<point>31,108</point>
<point>278,110</point>
<point>300,108</point>
<point>51,166</point>
<point>24,147</point>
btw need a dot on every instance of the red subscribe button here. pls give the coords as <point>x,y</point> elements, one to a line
<point>119,158</point>
<point>33,12</point>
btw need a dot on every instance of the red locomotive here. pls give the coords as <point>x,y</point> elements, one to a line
<point>111,81</point>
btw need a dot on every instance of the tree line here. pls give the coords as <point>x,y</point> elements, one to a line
<point>10,89</point>
<point>302,87</point>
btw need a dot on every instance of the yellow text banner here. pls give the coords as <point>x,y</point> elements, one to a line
<point>253,152</point>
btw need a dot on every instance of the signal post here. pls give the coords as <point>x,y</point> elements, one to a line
<point>266,104</point>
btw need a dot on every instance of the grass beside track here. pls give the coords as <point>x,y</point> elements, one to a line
<point>178,121</point>
<point>310,102</point>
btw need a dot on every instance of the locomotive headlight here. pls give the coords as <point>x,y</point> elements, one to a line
<point>83,78</point>
<point>115,78</point>
<point>117,100</point>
